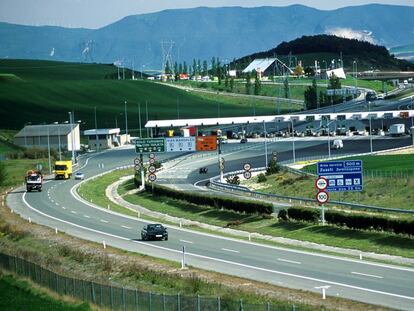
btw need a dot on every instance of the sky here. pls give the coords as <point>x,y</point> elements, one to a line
<point>98,13</point>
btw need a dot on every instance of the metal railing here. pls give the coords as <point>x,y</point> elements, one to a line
<point>124,298</point>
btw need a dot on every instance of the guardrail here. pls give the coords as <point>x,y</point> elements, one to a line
<point>217,185</point>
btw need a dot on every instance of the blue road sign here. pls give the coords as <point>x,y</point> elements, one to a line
<point>342,175</point>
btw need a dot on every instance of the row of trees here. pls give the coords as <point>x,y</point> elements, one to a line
<point>198,67</point>
<point>315,98</point>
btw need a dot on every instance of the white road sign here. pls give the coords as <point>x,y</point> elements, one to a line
<point>137,161</point>
<point>177,144</point>
<point>152,169</point>
<point>247,175</point>
<point>137,167</point>
<point>152,160</point>
<point>322,197</point>
<point>152,177</point>
<point>321,183</point>
<point>247,166</point>
<point>152,155</point>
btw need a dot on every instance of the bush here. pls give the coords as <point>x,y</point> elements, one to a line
<point>2,173</point>
<point>233,180</point>
<point>261,178</point>
<point>283,214</point>
<point>241,206</point>
<point>273,168</point>
<point>303,214</point>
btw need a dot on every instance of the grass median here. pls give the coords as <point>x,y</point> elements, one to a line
<point>378,242</point>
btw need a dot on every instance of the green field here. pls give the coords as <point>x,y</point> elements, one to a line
<point>19,295</point>
<point>49,90</point>
<point>6,141</point>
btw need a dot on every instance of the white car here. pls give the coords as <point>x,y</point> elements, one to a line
<point>338,144</point>
<point>79,175</point>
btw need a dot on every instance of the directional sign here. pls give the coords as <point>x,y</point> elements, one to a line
<point>322,197</point>
<point>152,169</point>
<point>247,167</point>
<point>321,183</point>
<point>177,144</point>
<point>146,145</point>
<point>247,175</point>
<point>342,175</point>
<point>152,177</point>
<point>137,161</point>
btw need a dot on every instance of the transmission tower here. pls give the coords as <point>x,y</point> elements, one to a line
<point>166,48</point>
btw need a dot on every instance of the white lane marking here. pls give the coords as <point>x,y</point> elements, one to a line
<point>105,221</point>
<point>86,216</point>
<point>73,212</point>
<point>52,201</point>
<point>63,207</point>
<point>368,275</point>
<point>185,241</point>
<point>229,250</point>
<point>126,227</point>
<point>289,261</point>
<point>78,198</point>
<point>57,204</point>
<point>217,259</point>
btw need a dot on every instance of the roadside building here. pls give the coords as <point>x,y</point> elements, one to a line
<point>338,72</point>
<point>105,138</point>
<point>63,136</point>
<point>267,67</point>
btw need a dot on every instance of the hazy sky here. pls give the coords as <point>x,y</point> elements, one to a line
<point>98,13</point>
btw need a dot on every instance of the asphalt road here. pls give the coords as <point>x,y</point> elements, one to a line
<point>354,279</point>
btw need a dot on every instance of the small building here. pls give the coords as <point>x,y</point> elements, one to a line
<point>267,66</point>
<point>338,72</point>
<point>63,136</point>
<point>107,138</point>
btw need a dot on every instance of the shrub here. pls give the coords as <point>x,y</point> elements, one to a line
<point>303,214</point>
<point>261,178</point>
<point>234,180</point>
<point>273,168</point>
<point>2,173</point>
<point>282,215</point>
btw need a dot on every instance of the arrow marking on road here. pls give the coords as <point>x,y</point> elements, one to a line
<point>290,261</point>
<point>230,250</point>
<point>105,221</point>
<point>369,275</point>
<point>73,212</point>
<point>126,227</point>
<point>86,216</point>
<point>185,241</point>
<point>63,207</point>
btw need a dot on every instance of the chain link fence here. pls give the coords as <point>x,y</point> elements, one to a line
<point>123,298</point>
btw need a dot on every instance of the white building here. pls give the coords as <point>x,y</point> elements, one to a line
<point>64,136</point>
<point>338,72</point>
<point>106,138</point>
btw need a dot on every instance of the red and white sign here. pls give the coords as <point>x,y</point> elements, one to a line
<point>321,183</point>
<point>322,197</point>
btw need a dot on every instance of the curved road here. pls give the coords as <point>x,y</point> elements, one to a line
<point>365,281</point>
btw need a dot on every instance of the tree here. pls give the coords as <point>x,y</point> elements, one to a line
<point>248,84</point>
<point>176,73</point>
<point>180,68</point>
<point>198,67</point>
<point>167,68</point>
<point>311,96</point>
<point>273,168</point>
<point>205,68</point>
<point>298,71</point>
<point>194,67</point>
<point>335,84</point>
<point>231,84</point>
<point>218,71</point>
<point>226,81</point>
<point>286,88</point>
<point>185,68</point>
<point>257,85</point>
<point>2,173</point>
<point>213,65</point>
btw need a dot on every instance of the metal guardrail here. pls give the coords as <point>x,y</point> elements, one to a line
<point>217,185</point>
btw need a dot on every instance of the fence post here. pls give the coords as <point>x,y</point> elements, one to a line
<point>163,302</point>
<point>136,299</point>
<point>218,304</point>
<point>198,302</point>
<point>111,297</point>
<point>268,306</point>
<point>150,302</point>
<point>178,302</point>
<point>101,294</point>
<point>241,305</point>
<point>83,290</point>
<point>123,298</point>
<point>93,292</point>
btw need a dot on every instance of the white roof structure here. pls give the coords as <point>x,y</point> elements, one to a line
<point>261,64</point>
<point>338,72</point>
<point>281,118</point>
<point>115,131</point>
<point>46,129</point>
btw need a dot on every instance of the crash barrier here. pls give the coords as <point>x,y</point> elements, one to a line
<point>215,184</point>
<point>124,298</point>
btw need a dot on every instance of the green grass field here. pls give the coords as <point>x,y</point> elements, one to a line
<point>49,90</point>
<point>20,295</point>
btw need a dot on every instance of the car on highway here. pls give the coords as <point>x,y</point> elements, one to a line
<point>203,170</point>
<point>338,144</point>
<point>154,232</point>
<point>243,140</point>
<point>79,175</point>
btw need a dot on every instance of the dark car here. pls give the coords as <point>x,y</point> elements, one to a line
<point>154,232</point>
<point>243,140</point>
<point>203,170</point>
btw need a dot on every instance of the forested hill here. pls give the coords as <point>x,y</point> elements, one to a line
<point>327,47</point>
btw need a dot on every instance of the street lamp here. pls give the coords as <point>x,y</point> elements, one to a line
<point>326,71</point>
<point>265,143</point>
<point>96,131</point>
<point>71,121</point>
<point>329,138</point>
<point>355,68</point>
<point>293,142</point>
<point>48,150</point>
<point>370,126</point>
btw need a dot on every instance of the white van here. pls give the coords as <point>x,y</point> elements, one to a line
<point>338,144</point>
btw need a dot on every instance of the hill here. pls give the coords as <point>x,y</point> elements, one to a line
<point>205,32</point>
<point>46,91</point>
<point>324,48</point>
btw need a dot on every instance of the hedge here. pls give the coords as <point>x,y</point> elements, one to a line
<point>246,206</point>
<point>353,220</point>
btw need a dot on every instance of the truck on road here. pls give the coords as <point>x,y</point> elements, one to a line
<point>34,180</point>
<point>63,169</point>
<point>397,129</point>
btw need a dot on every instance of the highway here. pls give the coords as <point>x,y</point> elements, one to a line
<point>365,281</point>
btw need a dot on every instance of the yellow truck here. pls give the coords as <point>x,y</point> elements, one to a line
<point>63,169</point>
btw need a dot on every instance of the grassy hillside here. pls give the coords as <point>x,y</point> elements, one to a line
<point>47,91</point>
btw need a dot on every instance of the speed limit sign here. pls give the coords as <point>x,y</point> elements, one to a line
<point>322,197</point>
<point>321,183</point>
<point>152,160</point>
<point>151,169</point>
<point>137,167</point>
<point>152,155</point>
<point>247,175</point>
<point>152,177</point>
<point>137,161</point>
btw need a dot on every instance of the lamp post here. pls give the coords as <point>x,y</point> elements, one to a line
<point>370,126</point>
<point>126,121</point>
<point>265,142</point>
<point>329,139</point>
<point>71,118</point>
<point>60,150</point>
<point>355,65</point>
<point>326,70</point>
<point>96,132</point>
<point>48,150</point>
<point>293,142</point>
<point>139,120</point>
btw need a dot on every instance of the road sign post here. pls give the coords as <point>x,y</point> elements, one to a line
<point>142,172</point>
